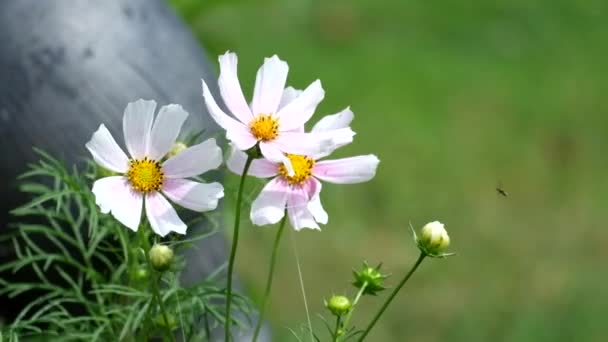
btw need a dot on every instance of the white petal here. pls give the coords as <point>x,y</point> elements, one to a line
<point>161,215</point>
<point>230,88</point>
<point>271,151</point>
<point>136,124</point>
<point>106,152</point>
<point>314,205</point>
<point>241,138</point>
<point>236,131</point>
<point>260,168</point>
<point>269,206</point>
<point>334,121</point>
<point>308,144</point>
<point>347,170</point>
<point>289,94</point>
<point>166,128</point>
<point>269,85</point>
<point>114,195</point>
<point>194,160</point>
<point>193,195</point>
<point>299,216</point>
<point>339,136</point>
<point>300,110</point>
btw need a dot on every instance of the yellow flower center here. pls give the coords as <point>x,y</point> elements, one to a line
<point>145,175</point>
<point>302,166</point>
<point>264,127</point>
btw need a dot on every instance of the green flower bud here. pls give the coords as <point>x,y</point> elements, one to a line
<point>161,257</point>
<point>159,320</point>
<point>434,239</point>
<point>371,277</point>
<point>140,273</point>
<point>338,305</point>
<point>176,149</point>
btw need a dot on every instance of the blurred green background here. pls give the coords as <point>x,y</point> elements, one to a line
<point>454,97</point>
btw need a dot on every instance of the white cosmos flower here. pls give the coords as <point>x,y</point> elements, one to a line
<point>299,194</point>
<point>269,121</point>
<point>145,177</point>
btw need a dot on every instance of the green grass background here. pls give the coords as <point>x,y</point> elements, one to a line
<point>454,97</point>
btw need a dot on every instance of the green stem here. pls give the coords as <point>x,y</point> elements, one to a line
<point>335,337</point>
<point>390,298</point>
<point>235,242</point>
<point>159,300</point>
<point>352,309</point>
<point>273,258</point>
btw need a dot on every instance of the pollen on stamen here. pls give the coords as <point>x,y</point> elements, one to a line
<point>145,175</point>
<point>264,127</point>
<point>302,166</point>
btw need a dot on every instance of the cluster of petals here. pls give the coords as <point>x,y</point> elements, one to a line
<point>267,102</point>
<point>302,201</point>
<point>149,140</point>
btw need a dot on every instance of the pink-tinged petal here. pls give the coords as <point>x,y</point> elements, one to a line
<point>297,209</point>
<point>300,110</point>
<point>269,85</point>
<point>137,124</point>
<point>161,215</point>
<point>241,138</point>
<point>271,151</point>
<point>269,206</point>
<point>193,195</point>
<point>307,144</point>
<point>347,170</point>
<point>165,130</point>
<point>230,88</point>
<point>314,204</point>
<point>334,121</point>
<point>289,94</point>
<point>106,152</point>
<point>236,131</point>
<point>114,195</point>
<point>260,168</point>
<point>194,160</point>
<point>339,136</point>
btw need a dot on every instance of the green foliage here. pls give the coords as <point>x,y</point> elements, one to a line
<point>91,278</point>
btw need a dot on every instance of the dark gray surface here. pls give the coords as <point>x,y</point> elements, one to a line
<point>68,66</point>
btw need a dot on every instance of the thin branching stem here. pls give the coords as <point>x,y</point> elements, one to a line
<point>235,242</point>
<point>352,309</point>
<point>392,295</point>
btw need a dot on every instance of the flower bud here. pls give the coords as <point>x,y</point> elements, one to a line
<point>171,322</point>
<point>161,257</point>
<point>338,305</point>
<point>176,149</point>
<point>371,278</point>
<point>140,273</point>
<point>433,239</point>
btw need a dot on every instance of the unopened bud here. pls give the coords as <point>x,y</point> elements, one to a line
<point>338,305</point>
<point>434,239</point>
<point>161,257</point>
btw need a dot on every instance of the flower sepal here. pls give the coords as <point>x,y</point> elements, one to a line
<point>371,278</point>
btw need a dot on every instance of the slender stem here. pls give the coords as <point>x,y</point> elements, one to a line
<point>336,332</point>
<point>352,309</point>
<point>159,300</point>
<point>235,242</point>
<point>273,259</point>
<point>390,298</point>
<point>207,328</point>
